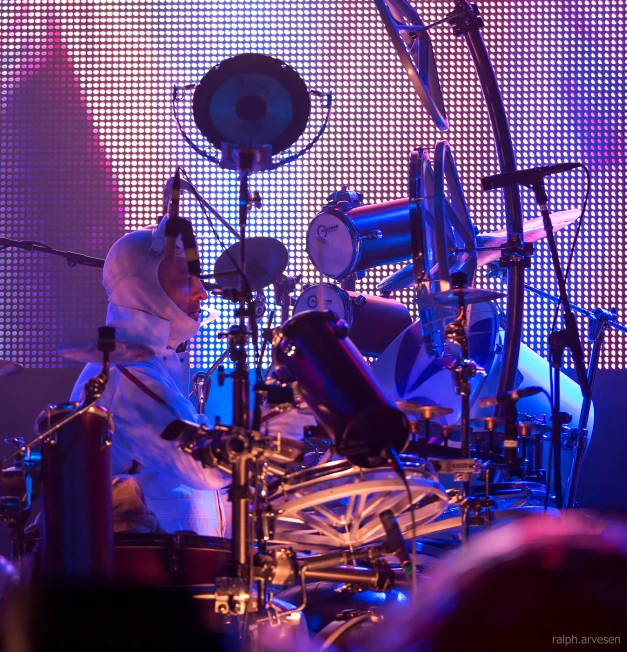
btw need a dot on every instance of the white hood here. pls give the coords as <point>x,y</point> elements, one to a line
<point>131,279</point>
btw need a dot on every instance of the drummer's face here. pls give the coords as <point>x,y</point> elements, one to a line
<point>185,290</point>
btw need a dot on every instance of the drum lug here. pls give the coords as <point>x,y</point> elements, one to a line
<point>375,234</point>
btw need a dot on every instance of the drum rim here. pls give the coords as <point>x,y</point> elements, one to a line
<point>170,540</point>
<point>345,468</point>
<point>344,296</point>
<point>352,231</point>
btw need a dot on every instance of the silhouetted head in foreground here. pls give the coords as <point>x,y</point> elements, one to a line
<point>532,585</point>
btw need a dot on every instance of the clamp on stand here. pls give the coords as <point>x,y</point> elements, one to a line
<point>283,289</point>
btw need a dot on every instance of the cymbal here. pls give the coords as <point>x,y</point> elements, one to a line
<point>488,244</point>
<point>424,411</point>
<point>252,100</point>
<point>7,368</point>
<point>488,247</point>
<point>522,429</point>
<point>87,351</point>
<point>266,260</point>
<point>451,297</point>
<point>429,428</point>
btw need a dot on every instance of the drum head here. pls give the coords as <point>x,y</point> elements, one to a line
<point>334,298</point>
<point>331,245</point>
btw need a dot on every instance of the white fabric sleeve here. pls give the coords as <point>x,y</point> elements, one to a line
<point>139,421</point>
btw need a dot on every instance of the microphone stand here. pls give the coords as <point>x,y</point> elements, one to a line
<point>559,341</point>
<point>599,322</point>
<point>73,258</point>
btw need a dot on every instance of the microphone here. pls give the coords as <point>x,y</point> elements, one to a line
<point>176,226</point>
<point>191,249</point>
<point>525,177</point>
<point>509,397</point>
<point>173,227</point>
<point>395,544</point>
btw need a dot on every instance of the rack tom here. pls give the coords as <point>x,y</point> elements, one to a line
<point>360,312</point>
<point>340,243</point>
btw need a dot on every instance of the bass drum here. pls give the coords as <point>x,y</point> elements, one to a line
<point>533,371</point>
<point>348,632</point>
<point>360,312</point>
<point>408,373</point>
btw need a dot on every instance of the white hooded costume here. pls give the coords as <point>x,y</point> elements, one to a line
<point>177,489</point>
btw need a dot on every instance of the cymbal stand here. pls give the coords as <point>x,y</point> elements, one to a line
<point>464,369</point>
<point>234,593</point>
<point>560,340</point>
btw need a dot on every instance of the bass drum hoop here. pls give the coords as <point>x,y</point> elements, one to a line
<point>296,524</point>
<point>355,240</point>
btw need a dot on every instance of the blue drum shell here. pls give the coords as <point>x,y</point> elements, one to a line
<point>339,386</point>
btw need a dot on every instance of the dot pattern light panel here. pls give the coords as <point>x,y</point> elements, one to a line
<point>88,141</point>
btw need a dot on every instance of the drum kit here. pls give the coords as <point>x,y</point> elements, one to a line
<point>413,449</point>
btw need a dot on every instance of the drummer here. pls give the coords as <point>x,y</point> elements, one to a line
<point>155,302</point>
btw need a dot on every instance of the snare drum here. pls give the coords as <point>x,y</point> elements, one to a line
<point>374,322</point>
<point>341,243</point>
<point>337,504</point>
<point>182,559</point>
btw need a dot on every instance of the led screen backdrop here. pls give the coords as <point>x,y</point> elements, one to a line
<point>87,139</point>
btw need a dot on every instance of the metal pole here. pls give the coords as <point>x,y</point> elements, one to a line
<point>466,22</point>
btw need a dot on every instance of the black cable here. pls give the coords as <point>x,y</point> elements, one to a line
<point>554,456</point>
<point>414,530</point>
<point>573,245</point>
<point>397,465</point>
<point>235,263</point>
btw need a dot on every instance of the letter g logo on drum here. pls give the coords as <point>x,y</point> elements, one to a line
<point>323,230</point>
<point>312,302</point>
